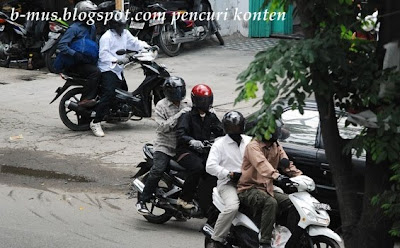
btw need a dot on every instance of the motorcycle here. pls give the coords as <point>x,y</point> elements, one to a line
<point>49,50</point>
<point>311,230</point>
<point>163,206</point>
<point>170,33</point>
<point>21,42</point>
<point>126,104</point>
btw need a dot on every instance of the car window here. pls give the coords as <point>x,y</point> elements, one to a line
<point>303,128</point>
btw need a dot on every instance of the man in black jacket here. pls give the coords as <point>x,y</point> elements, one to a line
<point>196,128</point>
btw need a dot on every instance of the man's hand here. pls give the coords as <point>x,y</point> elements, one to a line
<point>283,181</point>
<point>196,144</point>
<point>234,176</point>
<point>123,61</point>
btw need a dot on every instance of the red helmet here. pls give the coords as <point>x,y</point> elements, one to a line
<point>202,97</point>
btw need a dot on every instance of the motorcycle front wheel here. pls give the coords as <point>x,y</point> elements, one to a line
<point>157,215</point>
<point>164,41</point>
<point>5,40</point>
<point>322,241</point>
<point>50,57</point>
<point>70,118</point>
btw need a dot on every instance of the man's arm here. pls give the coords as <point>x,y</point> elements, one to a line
<point>134,44</point>
<point>105,54</point>
<point>165,123</point>
<point>65,41</point>
<point>257,159</point>
<point>213,164</point>
<point>183,129</point>
<point>291,171</point>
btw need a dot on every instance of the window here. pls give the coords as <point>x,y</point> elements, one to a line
<point>303,128</point>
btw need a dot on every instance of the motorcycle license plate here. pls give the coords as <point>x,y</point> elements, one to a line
<point>2,28</point>
<point>54,35</point>
<point>153,22</point>
<point>137,25</point>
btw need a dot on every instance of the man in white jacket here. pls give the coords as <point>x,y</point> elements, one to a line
<point>224,162</point>
<point>112,65</point>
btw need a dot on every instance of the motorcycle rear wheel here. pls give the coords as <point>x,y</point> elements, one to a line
<point>158,215</point>
<point>5,40</point>
<point>50,57</point>
<point>164,41</point>
<point>70,118</point>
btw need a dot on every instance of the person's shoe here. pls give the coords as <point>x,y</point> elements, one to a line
<point>265,245</point>
<point>142,208</point>
<point>183,204</point>
<point>96,128</point>
<point>216,244</point>
<point>87,103</point>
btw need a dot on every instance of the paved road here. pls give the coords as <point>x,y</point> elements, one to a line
<point>84,204</point>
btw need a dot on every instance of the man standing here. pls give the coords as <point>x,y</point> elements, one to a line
<point>224,161</point>
<point>255,188</point>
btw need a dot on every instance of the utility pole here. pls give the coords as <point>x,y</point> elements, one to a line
<point>119,4</point>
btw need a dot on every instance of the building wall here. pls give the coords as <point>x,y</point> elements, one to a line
<point>231,26</point>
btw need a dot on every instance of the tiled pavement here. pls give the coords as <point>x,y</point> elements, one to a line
<point>250,44</point>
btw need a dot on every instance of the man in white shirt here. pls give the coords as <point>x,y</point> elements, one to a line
<point>111,65</point>
<point>224,162</point>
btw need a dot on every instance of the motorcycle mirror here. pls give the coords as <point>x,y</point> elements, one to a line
<point>121,52</point>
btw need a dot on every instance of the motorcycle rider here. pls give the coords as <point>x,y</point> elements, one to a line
<point>167,111</point>
<point>255,187</point>
<point>111,65</point>
<point>193,129</point>
<point>224,161</point>
<point>81,65</point>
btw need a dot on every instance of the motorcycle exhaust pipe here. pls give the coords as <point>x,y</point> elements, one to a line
<point>75,107</point>
<point>139,186</point>
<point>208,230</point>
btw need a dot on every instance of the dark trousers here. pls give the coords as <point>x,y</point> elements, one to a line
<point>195,169</point>
<point>160,164</point>
<point>260,201</point>
<point>92,74</point>
<point>109,82</point>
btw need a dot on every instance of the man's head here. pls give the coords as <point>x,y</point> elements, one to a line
<point>118,22</point>
<point>277,134</point>
<point>174,89</point>
<point>84,10</point>
<point>233,123</point>
<point>202,97</point>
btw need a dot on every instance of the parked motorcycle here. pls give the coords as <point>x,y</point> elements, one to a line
<point>126,105</point>
<point>21,42</point>
<point>312,230</point>
<point>164,206</point>
<point>49,50</point>
<point>171,33</point>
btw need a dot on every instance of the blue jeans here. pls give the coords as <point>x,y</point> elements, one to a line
<point>160,164</point>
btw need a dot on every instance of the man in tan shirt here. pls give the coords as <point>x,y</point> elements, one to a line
<point>255,188</point>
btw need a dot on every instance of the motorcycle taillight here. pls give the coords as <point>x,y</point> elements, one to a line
<point>2,20</point>
<point>54,27</point>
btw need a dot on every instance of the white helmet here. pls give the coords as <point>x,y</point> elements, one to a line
<point>85,6</point>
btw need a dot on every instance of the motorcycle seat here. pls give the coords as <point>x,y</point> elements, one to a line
<point>72,76</point>
<point>126,96</point>
<point>175,166</point>
<point>176,5</point>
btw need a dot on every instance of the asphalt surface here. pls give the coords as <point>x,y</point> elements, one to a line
<point>60,188</point>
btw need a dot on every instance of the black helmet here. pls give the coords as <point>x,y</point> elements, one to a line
<point>174,89</point>
<point>233,122</point>
<point>278,132</point>
<point>118,21</point>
